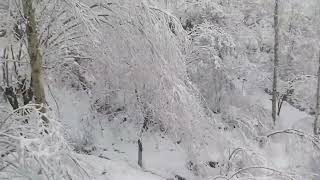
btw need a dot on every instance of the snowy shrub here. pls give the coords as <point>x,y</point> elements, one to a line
<point>69,36</point>
<point>210,45</point>
<point>303,95</point>
<point>213,37</point>
<point>198,12</point>
<point>133,52</point>
<point>33,149</point>
<point>143,76</point>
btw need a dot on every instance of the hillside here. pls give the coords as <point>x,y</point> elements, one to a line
<point>158,90</point>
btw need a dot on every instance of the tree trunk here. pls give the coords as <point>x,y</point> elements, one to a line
<point>275,61</point>
<point>140,153</point>
<point>34,54</point>
<point>316,120</point>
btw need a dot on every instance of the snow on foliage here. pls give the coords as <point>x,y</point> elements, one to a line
<point>32,149</point>
<point>194,76</point>
<point>146,75</point>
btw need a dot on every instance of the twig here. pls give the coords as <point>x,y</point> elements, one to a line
<point>235,151</point>
<point>315,140</point>
<point>1,169</point>
<point>254,167</point>
<point>55,101</point>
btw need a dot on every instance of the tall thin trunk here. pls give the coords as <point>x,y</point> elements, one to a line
<point>316,120</point>
<point>35,54</point>
<point>275,61</point>
<point>140,149</point>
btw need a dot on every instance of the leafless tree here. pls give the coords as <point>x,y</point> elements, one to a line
<point>316,120</point>
<point>275,61</point>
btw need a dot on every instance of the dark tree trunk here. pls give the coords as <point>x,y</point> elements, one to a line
<point>316,120</point>
<point>140,153</point>
<point>275,62</point>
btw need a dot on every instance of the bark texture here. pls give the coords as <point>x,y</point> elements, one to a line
<point>275,62</point>
<point>316,120</point>
<point>34,54</point>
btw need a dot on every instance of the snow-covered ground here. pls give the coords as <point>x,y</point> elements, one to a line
<point>106,169</point>
<point>187,80</point>
<point>113,153</point>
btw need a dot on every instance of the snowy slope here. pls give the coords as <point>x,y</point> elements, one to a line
<point>104,169</point>
<point>194,97</point>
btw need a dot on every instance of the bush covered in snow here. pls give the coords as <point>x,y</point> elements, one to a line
<point>33,149</point>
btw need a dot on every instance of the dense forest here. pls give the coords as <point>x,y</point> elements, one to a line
<point>159,89</point>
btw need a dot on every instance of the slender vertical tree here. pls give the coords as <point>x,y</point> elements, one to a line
<point>275,61</point>
<point>316,120</point>
<point>34,53</point>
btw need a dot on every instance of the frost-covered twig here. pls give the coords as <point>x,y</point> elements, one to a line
<point>315,140</point>
<point>55,100</point>
<point>254,167</point>
<point>234,152</point>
